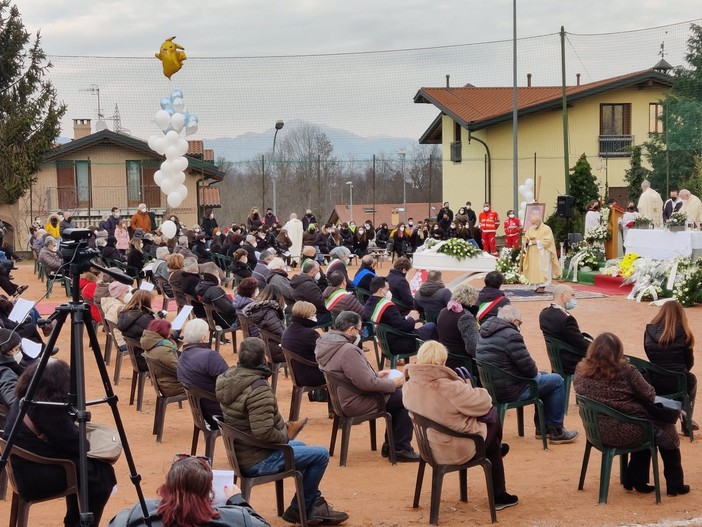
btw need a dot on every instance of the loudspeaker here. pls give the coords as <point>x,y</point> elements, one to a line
<point>564,206</point>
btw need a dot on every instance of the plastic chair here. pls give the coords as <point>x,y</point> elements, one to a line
<point>246,325</point>
<point>111,326</point>
<point>195,396</point>
<point>382,331</point>
<point>231,436</point>
<point>345,422</point>
<point>217,330</point>
<point>198,306</point>
<point>157,369</point>
<point>362,295</point>
<point>271,339</point>
<point>162,290</point>
<point>430,315</point>
<point>139,371</point>
<point>19,511</point>
<point>109,340</point>
<point>590,412</point>
<point>489,372</point>
<point>298,389</point>
<point>421,427</point>
<point>650,371</point>
<point>554,348</point>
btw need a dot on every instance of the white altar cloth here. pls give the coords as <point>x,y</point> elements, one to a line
<point>660,244</point>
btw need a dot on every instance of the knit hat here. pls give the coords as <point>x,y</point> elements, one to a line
<point>9,340</point>
<point>117,289</point>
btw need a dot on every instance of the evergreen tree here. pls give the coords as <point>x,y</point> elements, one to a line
<point>635,174</point>
<point>583,185</point>
<point>30,115</point>
<point>674,154</point>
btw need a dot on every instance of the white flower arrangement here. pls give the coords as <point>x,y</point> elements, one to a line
<point>508,265</point>
<point>598,234</point>
<point>677,219</point>
<point>459,249</point>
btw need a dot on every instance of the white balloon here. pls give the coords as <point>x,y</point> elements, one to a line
<point>172,152</point>
<point>163,120</point>
<point>167,168</point>
<point>172,137</point>
<point>168,186</point>
<point>522,205</point>
<point>183,146</point>
<point>174,199</point>
<point>523,190</point>
<point>158,177</point>
<point>529,196</point>
<point>529,183</point>
<point>183,191</point>
<point>179,177</point>
<point>153,142</point>
<point>522,213</point>
<point>168,228</point>
<point>178,104</point>
<point>191,127</point>
<point>177,121</point>
<point>180,164</point>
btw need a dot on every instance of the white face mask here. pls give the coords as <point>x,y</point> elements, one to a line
<point>127,297</point>
<point>318,276</point>
<point>468,207</point>
<point>357,340</point>
<point>486,209</point>
<point>411,223</point>
<point>17,356</point>
<point>244,260</point>
<point>313,318</point>
<point>511,215</point>
<point>211,216</point>
<point>388,295</point>
<point>116,214</point>
<point>54,248</point>
<point>142,210</point>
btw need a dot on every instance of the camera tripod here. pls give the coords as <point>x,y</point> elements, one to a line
<point>79,314</point>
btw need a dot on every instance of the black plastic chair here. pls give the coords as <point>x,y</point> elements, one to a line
<point>489,372</point>
<point>590,413</point>
<point>298,389</point>
<point>19,511</point>
<point>651,371</point>
<point>139,371</point>
<point>271,340</point>
<point>345,422</point>
<point>157,369</point>
<point>231,436</point>
<point>219,328</point>
<point>421,427</point>
<point>195,397</point>
<point>111,327</point>
<point>554,348</point>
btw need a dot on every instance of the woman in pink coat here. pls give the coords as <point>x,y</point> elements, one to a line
<point>438,393</point>
<point>122,235</point>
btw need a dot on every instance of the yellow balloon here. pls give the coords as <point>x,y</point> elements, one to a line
<point>172,56</point>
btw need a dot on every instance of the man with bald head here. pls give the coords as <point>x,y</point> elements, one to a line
<point>692,207</point>
<point>541,262</point>
<point>651,204</point>
<point>558,323</point>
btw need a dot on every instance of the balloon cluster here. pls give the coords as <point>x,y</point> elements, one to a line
<point>527,191</point>
<point>173,119</point>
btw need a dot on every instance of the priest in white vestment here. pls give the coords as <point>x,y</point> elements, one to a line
<point>692,207</point>
<point>294,228</point>
<point>540,260</point>
<point>651,204</point>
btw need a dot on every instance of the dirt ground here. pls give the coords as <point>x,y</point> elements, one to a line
<point>375,493</point>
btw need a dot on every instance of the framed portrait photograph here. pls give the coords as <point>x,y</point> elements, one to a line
<point>531,208</point>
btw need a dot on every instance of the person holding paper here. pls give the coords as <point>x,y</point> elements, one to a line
<point>541,262</point>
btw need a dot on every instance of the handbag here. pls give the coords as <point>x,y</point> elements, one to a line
<point>105,443</point>
<point>664,410</point>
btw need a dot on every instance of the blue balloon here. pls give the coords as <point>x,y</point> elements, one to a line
<point>170,110</point>
<point>192,118</point>
<point>176,94</point>
<point>165,102</point>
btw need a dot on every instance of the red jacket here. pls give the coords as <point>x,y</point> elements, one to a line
<point>489,221</point>
<point>512,226</point>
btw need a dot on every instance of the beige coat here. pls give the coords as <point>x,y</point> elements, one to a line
<point>651,206</point>
<point>541,261</point>
<point>438,393</point>
<point>693,208</point>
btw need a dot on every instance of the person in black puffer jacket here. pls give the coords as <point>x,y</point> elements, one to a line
<point>432,295</point>
<point>266,312</point>
<point>305,288</point>
<point>135,318</point>
<point>668,342</point>
<point>300,338</point>
<point>210,292</point>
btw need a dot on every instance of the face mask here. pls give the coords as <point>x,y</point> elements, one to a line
<point>468,207</point>
<point>173,218</point>
<point>255,294</point>
<point>313,318</point>
<point>411,224</point>
<point>115,214</point>
<point>211,216</point>
<point>453,226</point>
<point>486,209</point>
<point>360,231</point>
<point>127,297</point>
<point>388,295</point>
<point>436,229</point>
<point>54,248</point>
<point>244,260</point>
<point>317,276</point>
<point>571,304</point>
<point>511,216</point>
<point>357,340</point>
<point>142,210</point>
<point>367,226</point>
<point>17,356</point>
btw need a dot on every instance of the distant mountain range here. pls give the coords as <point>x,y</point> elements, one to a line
<point>346,144</point>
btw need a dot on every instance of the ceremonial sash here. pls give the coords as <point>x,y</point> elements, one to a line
<point>380,309</point>
<point>485,307</point>
<point>359,276</point>
<point>333,265</point>
<point>334,298</point>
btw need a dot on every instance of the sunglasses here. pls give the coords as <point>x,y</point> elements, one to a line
<point>202,459</point>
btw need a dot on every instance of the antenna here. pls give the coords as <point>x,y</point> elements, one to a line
<point>662,52</point>
<point>95,90</point>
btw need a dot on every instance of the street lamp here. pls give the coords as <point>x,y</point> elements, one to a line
<point>350,184</point>
<point>278,126</point>
<point>402,154</point>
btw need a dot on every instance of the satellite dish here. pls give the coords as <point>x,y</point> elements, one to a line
<point>100,125</point>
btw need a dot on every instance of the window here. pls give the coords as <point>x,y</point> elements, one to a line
<point>456,144</point>
<point>655,115</point>
<point>615,130</point>
<point>73,184</point>
<point>141,187</point>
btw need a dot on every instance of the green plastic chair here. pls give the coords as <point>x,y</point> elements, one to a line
<point>649,370</point>
<point>430,315</point>
<point>382,331</point>
<point>554,347</point>
<point>362,295</point>
<point>590,412</point>
<point>489,373</point>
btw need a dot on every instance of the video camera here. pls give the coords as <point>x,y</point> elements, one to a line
<point>74,248</point>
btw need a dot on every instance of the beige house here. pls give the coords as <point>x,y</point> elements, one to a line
<point>105,169</point>
<point>605,118</point>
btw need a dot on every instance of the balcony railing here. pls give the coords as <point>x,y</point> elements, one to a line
<point>64,198</point>
<point>616,145</point>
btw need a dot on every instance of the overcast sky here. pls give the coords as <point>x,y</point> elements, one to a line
<point>243,74</point>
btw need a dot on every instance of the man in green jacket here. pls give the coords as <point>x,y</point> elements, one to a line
<point>249,404</point>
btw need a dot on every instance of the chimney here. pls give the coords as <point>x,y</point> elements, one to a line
<point>528,80</point>
<point>81,128</point>
<point>577,79</point>
<point>448,84</point>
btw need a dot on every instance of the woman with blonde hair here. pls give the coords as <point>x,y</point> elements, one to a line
<point>122,236</point>
<point>668,342</point>
<point>429,386</point>
<point>606,376</point>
